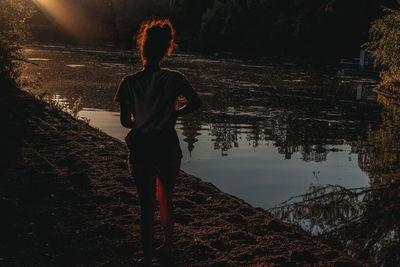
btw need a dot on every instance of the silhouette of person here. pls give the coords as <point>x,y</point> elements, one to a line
<point>149,105</point>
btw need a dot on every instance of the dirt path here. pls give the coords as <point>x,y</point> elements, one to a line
<point>66,198</point>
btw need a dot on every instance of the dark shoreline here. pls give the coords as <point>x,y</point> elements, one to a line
<point>126,54</point>
<point>67,199</point>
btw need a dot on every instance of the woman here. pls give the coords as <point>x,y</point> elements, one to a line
<point>149,105</point>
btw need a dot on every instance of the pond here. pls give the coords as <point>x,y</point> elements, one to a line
<point>265,132</point>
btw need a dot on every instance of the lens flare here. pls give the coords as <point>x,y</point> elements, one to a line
<point>69,17</point>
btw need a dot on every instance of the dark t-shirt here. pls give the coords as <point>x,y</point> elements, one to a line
<point>152,97</point>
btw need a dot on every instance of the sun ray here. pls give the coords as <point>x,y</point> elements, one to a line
<point>69,17</point>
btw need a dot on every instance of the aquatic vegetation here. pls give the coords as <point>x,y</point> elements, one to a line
<point>76,106</point>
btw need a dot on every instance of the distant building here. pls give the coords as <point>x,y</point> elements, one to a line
<point>366,59</point>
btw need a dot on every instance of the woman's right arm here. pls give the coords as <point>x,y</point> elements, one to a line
<point>193,100</point>
<point>122,96</point>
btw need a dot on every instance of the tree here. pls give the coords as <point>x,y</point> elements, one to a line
<point>129,14</point>
<point>13,31</point>
<point>307,28</point>
<point>385,46</point>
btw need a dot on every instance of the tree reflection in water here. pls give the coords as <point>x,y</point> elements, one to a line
<point>362,221</point>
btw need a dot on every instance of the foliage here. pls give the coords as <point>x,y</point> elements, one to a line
<point>186,16</point>
<point>384,44</point>
<point>290,27</point>
<point>329,28</point>
<point>362,221</point>
<point>13,31</point>
<point>129,14</point>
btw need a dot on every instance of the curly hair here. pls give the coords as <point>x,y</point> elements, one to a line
<point>155,40</point>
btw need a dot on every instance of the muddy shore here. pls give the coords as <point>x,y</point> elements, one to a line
<point>67,199</point>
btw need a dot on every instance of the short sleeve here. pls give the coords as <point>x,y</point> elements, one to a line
<point>122,95</point>
<point>184,87</point>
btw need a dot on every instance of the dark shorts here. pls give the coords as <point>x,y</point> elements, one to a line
<point>151,150</point>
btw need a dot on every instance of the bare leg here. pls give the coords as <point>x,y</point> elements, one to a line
<point>165,186</point>
<point>145,183</point>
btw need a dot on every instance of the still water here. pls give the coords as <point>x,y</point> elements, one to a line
<point>265,132</point>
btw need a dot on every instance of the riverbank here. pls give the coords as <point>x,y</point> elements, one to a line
<point>67,199</point>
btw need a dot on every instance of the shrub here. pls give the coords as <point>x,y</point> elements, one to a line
<point>13,32</point>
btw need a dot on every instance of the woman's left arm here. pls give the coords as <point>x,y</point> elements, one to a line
<point>126,116</point>
<point>193,100</point>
